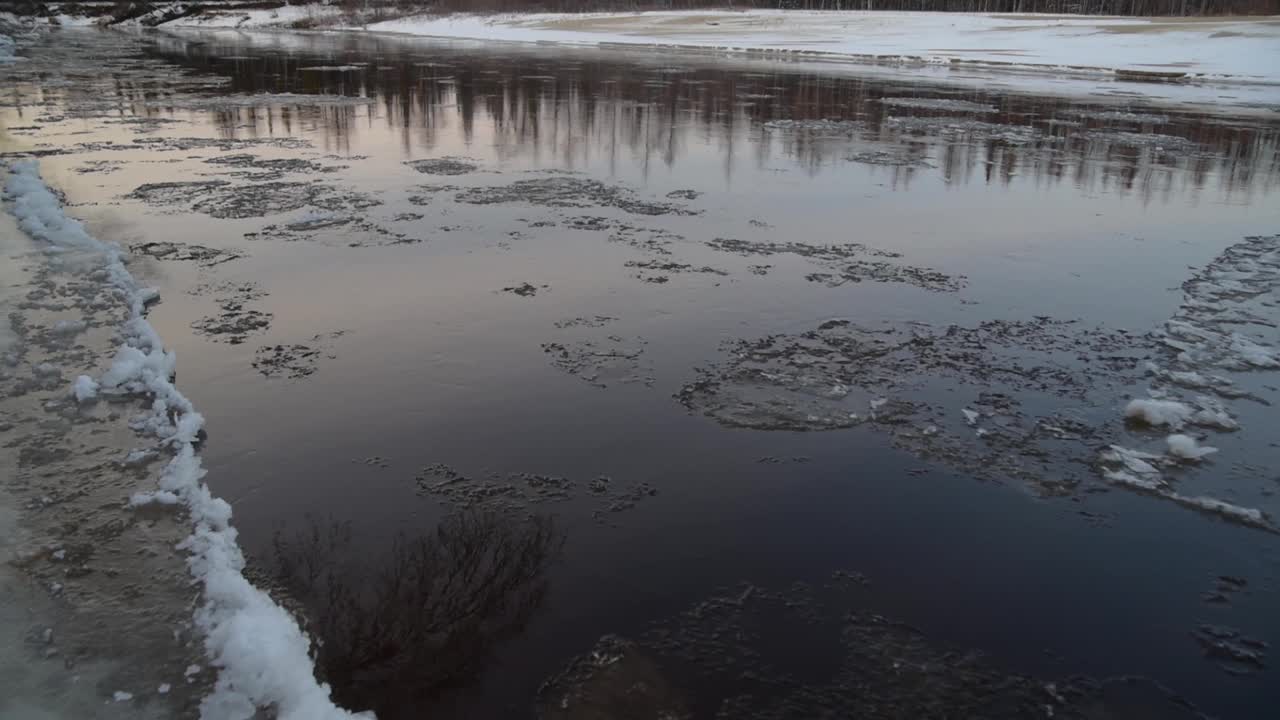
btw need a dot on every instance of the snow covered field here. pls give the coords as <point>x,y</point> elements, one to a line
<point>1239,49</point>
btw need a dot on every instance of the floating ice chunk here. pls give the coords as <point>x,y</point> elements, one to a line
<point>154,497</point>
<point>1134,461</point>
<point>1169,413</point>
<point>85,389</point>
<point>1175,414</point>
<point>121,696</point>
<point>148,295</point>
<point>1186,447</point>
<point>68,327</point>
<point>164,688</point>
<point>1185,378</point>
<point>971,416</point>
<point>1211,413</point>
<point>1142,482</point>
<point>139,456</point>
<point>1251,354</point>
<point>191,671</point>
<point>1251,516</point>
<point>878,402</point>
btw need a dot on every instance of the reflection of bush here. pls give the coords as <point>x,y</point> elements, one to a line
<point>429,614</point>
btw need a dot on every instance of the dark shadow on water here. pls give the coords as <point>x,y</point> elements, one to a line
<point>398,629</point>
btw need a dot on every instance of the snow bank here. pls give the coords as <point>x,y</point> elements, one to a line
<point>1237,48</point>
<point>261,653</point>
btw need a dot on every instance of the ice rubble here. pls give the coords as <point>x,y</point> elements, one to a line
<point>262,654</point>
<point>1220,325</point>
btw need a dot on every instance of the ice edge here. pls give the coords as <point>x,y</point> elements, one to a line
<point>261,653</point>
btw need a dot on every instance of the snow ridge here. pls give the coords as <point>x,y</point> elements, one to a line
<point>261,653</point>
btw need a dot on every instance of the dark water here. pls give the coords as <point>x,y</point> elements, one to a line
<point>1033,205</point>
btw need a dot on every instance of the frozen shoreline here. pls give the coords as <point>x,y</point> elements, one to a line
<point>260,652</point>
<point>1221,50</point>
<point>1231,50</point>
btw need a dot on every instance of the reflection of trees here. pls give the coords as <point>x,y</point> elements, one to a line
<point>425,616</point>
<point>572,108</point>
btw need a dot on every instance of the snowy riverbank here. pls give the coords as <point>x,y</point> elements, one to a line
<point>1220,49</point>
<point>1233,49</point>
<point>261,654</point>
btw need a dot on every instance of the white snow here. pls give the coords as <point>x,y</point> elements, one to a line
<point>1175,414</point>
<point>1239,48</point>
<point>1187,447</point>
<point>85,389</point>
<point>1133,461</point>
<point>1137,469</point>
<point>1141,482</point>
<point>1170,413</point>
<point>1252,516</point>
<point>261,654</point>
<point>157,497</point>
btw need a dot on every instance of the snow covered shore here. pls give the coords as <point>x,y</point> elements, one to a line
<point>1179,49</point>
<point>261,654</point>
<point>1235,49</point>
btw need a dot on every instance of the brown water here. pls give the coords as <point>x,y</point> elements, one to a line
<point>493,333</point>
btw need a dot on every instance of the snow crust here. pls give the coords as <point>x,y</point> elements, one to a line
<point>261,654</point>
